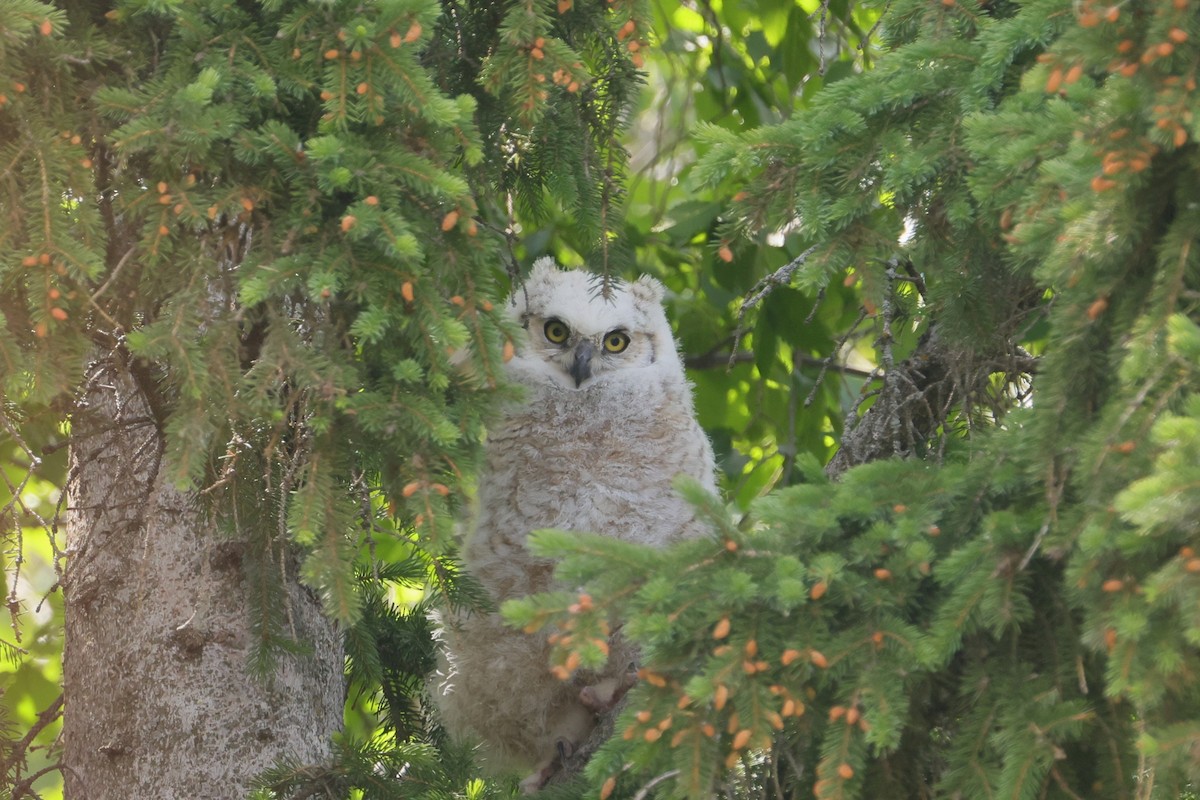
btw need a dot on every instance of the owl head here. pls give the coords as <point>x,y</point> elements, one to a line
<point>577,339</point>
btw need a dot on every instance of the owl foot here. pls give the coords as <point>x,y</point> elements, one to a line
<point>603,696</point>
<point>537,781</point>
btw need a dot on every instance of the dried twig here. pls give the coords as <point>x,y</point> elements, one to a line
<point>16,754</point>
<point>780,277</point>
<point>644,792</point>
<point>827,362</point>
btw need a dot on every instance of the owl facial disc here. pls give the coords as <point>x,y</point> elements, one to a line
<point>579,338</point>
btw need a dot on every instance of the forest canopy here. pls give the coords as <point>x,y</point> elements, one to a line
<point>933,267</point>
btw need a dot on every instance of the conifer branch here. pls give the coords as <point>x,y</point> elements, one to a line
<point>25,787</point>
<point>48,715</point>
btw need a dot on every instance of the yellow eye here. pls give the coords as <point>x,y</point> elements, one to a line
<point>556,331</point>
<point>616,341</point>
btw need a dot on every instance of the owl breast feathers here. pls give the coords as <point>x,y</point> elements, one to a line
<point>604,425</point>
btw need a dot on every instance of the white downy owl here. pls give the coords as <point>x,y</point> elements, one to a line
<point>604,425</point>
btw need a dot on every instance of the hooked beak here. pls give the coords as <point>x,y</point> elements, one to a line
<point>581,367</point>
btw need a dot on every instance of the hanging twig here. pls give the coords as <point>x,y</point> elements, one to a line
<point>780,277</point>
<point>916,278</point>
<point>644,792</point>
<point>812,312</point>
<point>827,362</point>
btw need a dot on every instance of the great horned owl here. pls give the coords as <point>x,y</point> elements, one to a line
<point>604,425</point>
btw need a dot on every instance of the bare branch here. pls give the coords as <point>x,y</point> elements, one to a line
<point>717,358</point>
<point>644,792</point>
<point>827,362</point>
<point>780,277</point>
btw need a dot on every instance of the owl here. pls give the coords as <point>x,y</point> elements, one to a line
<point>602,427</point>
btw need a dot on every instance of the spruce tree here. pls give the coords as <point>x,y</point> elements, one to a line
<point>256,232</point>
<point>992,592</point>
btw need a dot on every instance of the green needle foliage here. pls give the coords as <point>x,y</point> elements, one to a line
<point>1011,611</point>
<point>294,222</point>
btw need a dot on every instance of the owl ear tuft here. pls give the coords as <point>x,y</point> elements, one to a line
<point>542,275</point>
<point>647,288</point>
<point>543,269</point>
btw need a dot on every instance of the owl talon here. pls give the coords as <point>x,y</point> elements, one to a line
<point>538,780</point>
<point>565,749</point>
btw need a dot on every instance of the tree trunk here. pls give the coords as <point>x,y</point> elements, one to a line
<point>160,700</point>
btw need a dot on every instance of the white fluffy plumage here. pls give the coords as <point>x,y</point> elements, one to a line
<point>603,427</point>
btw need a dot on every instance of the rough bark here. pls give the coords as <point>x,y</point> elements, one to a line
<point>160,701</point>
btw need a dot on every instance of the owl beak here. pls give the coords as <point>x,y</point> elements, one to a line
<point>581,367</point>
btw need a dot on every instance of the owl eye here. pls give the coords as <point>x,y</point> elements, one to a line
<point>616,341</point>
<point>556,331</point>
